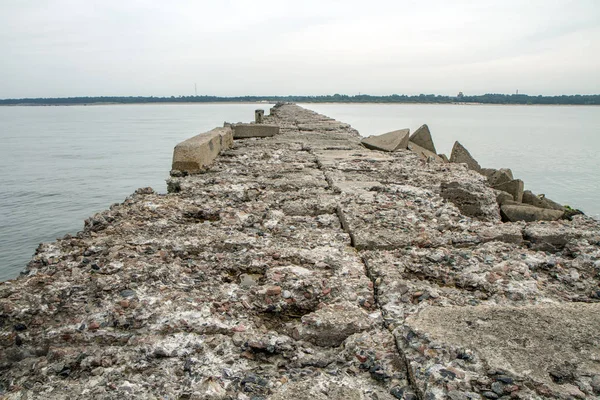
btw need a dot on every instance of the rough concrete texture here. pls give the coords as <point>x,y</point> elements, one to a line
<point>528,213</point>
<point>422,138</point>
<point>305,266</point>
<point>514,188</point>
<point>540,201</point>
<point>258,116</point>
<point>424,153</point>
<point>198,152</point>
<point>499,176</point>
<point>243,131</point>
<point>461,155</point>
<point>390,141</point>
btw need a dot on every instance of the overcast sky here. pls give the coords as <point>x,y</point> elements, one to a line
<point>57,48</point>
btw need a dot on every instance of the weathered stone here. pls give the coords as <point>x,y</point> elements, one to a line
<point>540,201</point>
<point>500,176</point>
<point>423,152</point>
<point>243,131</point>
<point>258,116</point>
<point>391,141</point>
<point>470,200</point>
<point>198,152</point>
<point>532,342</point>
<point>503,197</point>
<point>422,138</point>
<point>461,155</point>
<point>444,158</point>
<point>487,172</point>
<point>514,187</point>
<point>528,213</point>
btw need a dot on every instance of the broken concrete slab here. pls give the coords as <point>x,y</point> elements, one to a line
<point>444,158</point>
<point>473,201</point>
<point>523,348</point>
<point>528,213</point>
<point>198,152</point>
<point>422,137</point>
<point>500,176</point>
<point>540,201</point>
<point>461,155</point>
<point>242,131</point>
<point>514,187</point>
<point>391,141</point>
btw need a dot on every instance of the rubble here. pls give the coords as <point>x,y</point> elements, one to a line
<point>305,266</point>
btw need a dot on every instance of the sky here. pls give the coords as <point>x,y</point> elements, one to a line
<point>62,48</point>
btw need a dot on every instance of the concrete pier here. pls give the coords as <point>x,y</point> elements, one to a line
<point>304,266</point>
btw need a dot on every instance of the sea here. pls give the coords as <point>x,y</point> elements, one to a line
<point>61,164</point>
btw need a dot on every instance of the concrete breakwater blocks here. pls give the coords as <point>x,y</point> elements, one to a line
<point>514,187</point>
<point>198,152</point>
<point>391,141</point>
<point>461,155</point>
<point>304,266</point>
<point>243,131</point>
<point>422,138</point>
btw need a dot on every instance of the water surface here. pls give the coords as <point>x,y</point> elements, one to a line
<point>59,165</point>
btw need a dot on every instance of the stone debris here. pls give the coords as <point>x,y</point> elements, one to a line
<point>304,266</point>
<point>461,155</point>
<point>390,141</point>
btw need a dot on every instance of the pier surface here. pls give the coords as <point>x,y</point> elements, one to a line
<point>306,266</point>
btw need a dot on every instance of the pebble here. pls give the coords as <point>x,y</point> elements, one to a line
<point>274,291</point>
<point>286,294</point>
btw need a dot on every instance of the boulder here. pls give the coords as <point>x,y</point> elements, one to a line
<point>461,155</point>
<point>444,158</point>
<point>422,137</point>
<point>242,131</point>
<point>540,201</point>
<point>423,153</point>
<point>391,141</point>
<point>514,187</point>
<point>528,213</point>
<point>500,176</point>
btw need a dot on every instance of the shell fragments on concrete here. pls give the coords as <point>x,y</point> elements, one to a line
<point>305,266</point>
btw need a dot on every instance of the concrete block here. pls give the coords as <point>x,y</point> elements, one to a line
<point>540,201</point>
<point>500,176</point>
<point>242,131</point>
<point>258,116</point>
<point>423,153</point>
<point>196,153</point>
<point>514,187</point>
<point>422,137</point>
<point>461,155</point>
<point>528,213</point>
<point>391,141</point>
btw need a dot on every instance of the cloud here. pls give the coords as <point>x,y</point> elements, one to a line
<point>233,47</point>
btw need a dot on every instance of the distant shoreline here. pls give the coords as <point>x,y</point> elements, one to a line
<point>489,98</point>
<point>274,102</point>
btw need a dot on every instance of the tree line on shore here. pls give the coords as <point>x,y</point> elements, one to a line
<point>490,98</point>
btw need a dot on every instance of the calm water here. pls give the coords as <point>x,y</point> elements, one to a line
<point>553,149</point>
<point>59,165</point>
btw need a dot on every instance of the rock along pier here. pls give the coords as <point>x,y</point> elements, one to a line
<point>292,262</point>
